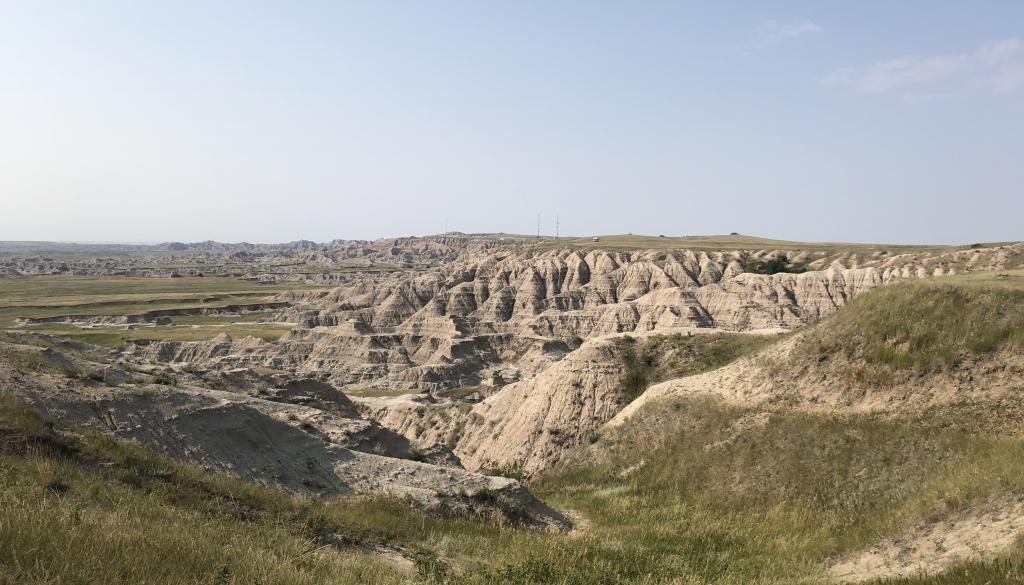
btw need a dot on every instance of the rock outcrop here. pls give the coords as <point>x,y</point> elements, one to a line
<point>292,447</point>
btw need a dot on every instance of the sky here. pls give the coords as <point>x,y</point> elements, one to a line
<point>825,120</point>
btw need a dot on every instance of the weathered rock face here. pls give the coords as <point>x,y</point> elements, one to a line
<point>291,447</point>
<point>563,295</point>
<point>530,333</point>
<point>529,424</point>
<point>525,425</point>
<point>457,326</point>
<point>536,322</point>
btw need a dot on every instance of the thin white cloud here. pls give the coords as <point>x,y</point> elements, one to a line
<point>915,69</point>
<point>915,98</point>
<point>1008,79</point>
<point>884,76</point>
<point>996,51</point>
<point>772,32</point>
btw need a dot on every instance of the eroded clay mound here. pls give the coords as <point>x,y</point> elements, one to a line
<point>291,447</point>
<point>526,425</point>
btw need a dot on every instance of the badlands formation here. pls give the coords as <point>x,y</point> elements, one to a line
<point>507,350</point>
<point>447,371</point>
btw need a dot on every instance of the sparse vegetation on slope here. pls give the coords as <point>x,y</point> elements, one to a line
<point>702,491</point>
<point>689,491</point>
<point>920,327</point>
<point>80,507</point>
<point>1005,570</point>
<point>657,358</point>
<point>88,509</point>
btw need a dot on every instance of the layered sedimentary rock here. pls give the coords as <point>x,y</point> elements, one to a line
<point>526,425</point>
<point>460,324</point>
<point>529,331</point>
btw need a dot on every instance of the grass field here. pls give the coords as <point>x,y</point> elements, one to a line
<point>51,296</point>
<point>921,326</point>
<point>724,501</point>
<point>220,319</point>
<point>64,290</point>
<point>39,249</point>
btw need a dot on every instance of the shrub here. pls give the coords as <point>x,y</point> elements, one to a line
<point>633,383</point>
<point>129,476</point>
<point>164,379</point>
<point>776,265</point>
<point>430,569</point>
<point>509,470</point>
<point>222,575</point>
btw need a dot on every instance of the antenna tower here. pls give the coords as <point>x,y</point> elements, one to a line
<point>538,226</point>
<point>556,226</point>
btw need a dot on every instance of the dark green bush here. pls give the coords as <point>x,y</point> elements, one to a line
<point>776,265</point>
<point>164,379</point>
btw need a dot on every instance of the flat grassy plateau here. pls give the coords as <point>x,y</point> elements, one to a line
<point>52,296</point>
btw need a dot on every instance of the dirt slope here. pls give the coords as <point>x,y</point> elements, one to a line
<point>295,448</point>
<point>929,547</point>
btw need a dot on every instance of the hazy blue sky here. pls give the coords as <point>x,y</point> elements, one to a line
<point>896,122</point>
